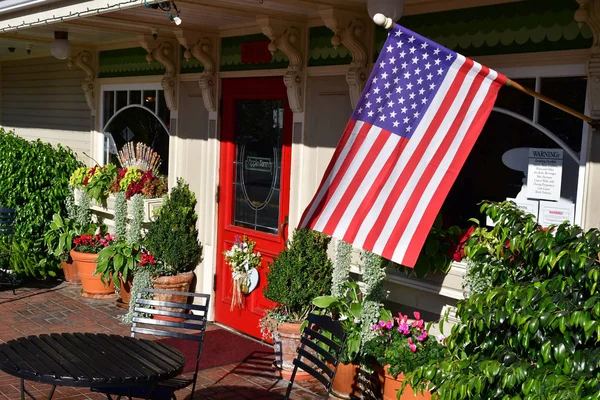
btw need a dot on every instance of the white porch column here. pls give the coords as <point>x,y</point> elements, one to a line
<point>589,13</point>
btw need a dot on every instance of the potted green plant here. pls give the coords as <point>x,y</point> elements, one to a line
<point>59,240</point>
<point>84,253</point>
<point>399,347</point>
<point>172,239</point>
<point>301,272</point>
<point>349,308</point>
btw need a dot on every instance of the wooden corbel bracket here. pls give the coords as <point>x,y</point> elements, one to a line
<point>350,30</point>
<point>288,37</point>
<point>164,52</point>
<point>84,62</point>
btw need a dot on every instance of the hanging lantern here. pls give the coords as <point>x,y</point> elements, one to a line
<point>390,8</point>
<point>60,47</point>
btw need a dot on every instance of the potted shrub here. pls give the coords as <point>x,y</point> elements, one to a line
<point>399,348</point>
<point>84,253</point>
<point>298,274</point>
<point>172,239</point>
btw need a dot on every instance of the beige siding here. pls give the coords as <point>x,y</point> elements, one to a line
<point>43,99</point>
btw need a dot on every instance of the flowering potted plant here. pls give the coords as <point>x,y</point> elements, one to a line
<point>401,346</point>
<point>348,308</point>
<point>84,252</point>
<point>243,262</point>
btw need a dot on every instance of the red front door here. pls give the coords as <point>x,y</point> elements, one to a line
<point>255,184</point>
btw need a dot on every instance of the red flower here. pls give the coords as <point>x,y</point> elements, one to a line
<point>458,252</point>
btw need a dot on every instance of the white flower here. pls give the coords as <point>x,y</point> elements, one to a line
<point>343,317</point>
<point>440,338</point>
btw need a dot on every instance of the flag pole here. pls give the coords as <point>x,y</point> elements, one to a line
<point>388,23</point>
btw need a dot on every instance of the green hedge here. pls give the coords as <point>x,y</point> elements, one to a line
<point>34,179</point>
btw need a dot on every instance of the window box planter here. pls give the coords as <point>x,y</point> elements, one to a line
<point>107,210</point>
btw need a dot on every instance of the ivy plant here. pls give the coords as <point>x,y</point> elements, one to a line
<point>533,333</point>
<point>34,179</point>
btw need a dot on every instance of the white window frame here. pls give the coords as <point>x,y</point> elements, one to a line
<point>124,87</point>
<point>559,71</point>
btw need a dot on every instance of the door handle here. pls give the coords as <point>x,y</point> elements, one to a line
<point>285,222</point>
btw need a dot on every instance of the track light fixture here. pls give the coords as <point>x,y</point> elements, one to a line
<point>169,7</point>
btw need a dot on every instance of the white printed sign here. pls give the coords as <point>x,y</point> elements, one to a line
<point>552,213</point>
<point>528,206</point>
<point>544,174</point>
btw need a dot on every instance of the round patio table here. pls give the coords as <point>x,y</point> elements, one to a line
<point>89,360</point>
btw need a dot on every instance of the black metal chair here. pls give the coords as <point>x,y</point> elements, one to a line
<point>7,232</point>
<point>191,328</point>
<point>319,337</point>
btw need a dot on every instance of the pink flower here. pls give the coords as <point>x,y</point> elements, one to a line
<point>423,336</point>
<point>404,329</point>
<point>375,327</point>
<point>402,318</point>
<point>390,324</point>
<point>412,346</point>
<point>356,320</point>
<point>382,324</point>
<point>417,315</point>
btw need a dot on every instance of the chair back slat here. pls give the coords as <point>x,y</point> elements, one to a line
<point>170,324</point>
<point>172,304</point>
<point>318,349</point>
<point>323,339</point>
<point>165,313</point>
<point>317,346</point>
<point>316,361</point>
<point>165,333</point>
<point>305,367</point>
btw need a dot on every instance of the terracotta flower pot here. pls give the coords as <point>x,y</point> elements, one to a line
<point>178,283</point>
<point>346,382</point>
<point>392,385</point>
<point>70,270</point>
<point>126,289</point>
<point>91,285</point>
<point>289,337</point>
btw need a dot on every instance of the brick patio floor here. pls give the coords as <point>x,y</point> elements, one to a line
<point>47,307</point>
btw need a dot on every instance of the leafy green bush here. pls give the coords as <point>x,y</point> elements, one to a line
<point>300,273</point>
<point>34,178</point>
<point>172,237</point>
<point>533,333</point>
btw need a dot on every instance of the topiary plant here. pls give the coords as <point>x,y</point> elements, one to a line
<point>300,273</point>
<point>173,237</point>
<point>534,332</point>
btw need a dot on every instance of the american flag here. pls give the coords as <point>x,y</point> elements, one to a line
<point>410,134</point>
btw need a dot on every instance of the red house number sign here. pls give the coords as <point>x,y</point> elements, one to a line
<point>256,52</point>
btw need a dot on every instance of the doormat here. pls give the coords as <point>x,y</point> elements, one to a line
<point>221,347</point>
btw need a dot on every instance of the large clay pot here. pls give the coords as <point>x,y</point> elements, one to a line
<point>289,337</point>
<point>70,270</point>
<point>346,382</point>
<point>392,385</point>
<point>91,285</point>
<point>178,283</point>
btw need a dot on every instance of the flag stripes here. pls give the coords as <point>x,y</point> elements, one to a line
<point>383,189</point>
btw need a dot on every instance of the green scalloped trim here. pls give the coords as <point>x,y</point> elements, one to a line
<point>322,51</point>
<point>188,67</point>
<point>231,54</point>
<point>127,62</point>
<point>522,27</point>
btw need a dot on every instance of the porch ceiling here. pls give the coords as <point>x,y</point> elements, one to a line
<point>227,17</point>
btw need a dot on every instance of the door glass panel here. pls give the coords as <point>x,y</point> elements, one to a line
<point>256,185</point>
